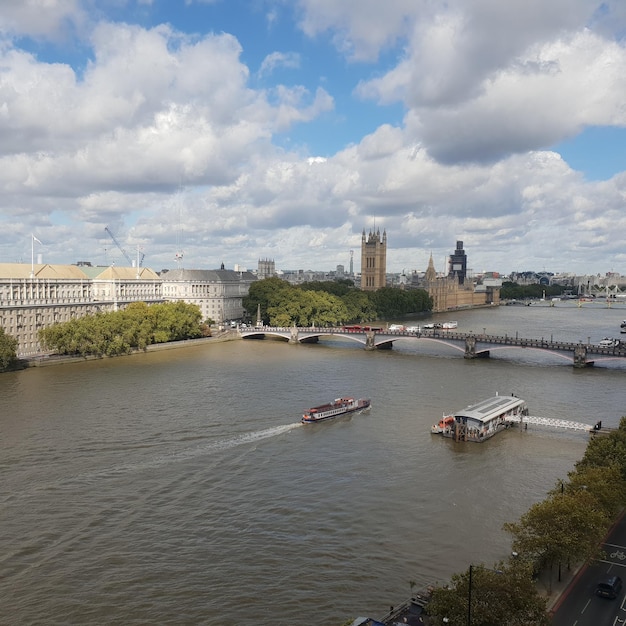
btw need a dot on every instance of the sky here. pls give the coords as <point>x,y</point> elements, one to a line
<point>209,132</point>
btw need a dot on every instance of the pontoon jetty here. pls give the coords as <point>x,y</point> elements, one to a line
<point>481,421</point>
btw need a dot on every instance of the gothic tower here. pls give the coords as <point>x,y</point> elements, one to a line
<point>431,274</point>
<point>373,261</point>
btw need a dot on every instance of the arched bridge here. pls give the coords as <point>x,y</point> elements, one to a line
<point>473,346</point>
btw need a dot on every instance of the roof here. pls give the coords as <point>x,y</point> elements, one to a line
<point>181,275</point>
<point>490,408</point>
<point>113,272</point>
<point>19,271</point>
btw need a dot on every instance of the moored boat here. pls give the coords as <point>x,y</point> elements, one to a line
<point>443,425</point>
<point>483,420</point>
<point>339,406</point>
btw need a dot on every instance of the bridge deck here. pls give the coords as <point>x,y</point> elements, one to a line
<point>551,422</point>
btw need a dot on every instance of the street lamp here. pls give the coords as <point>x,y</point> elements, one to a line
<point>469,590</point>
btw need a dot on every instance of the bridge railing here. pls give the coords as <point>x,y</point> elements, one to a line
<point>618,350</point>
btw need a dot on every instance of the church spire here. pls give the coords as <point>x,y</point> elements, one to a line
<point>431,274</point>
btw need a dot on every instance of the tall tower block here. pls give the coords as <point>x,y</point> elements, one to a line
<point>458,263</point>
<point>373,260</point>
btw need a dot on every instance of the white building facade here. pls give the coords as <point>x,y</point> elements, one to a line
<point>218,293</point>
<point>40,295</point>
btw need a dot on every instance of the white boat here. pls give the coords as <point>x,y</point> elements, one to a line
<point>483,420</point>
<point>449,325</point>
<point>337,407</point>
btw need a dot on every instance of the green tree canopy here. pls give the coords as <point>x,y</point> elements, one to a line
<point>604,482</point>
<point>513,291</point>
<point>565,527</point>
<point>503,596</point>
<point>330,303</point>
<point>606,451</point>
<point>266,292</point>
<point>8,350</point>
<point>120,332</point>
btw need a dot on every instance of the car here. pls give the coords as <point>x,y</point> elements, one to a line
<point>609,587</point>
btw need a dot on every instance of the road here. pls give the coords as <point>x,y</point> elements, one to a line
<point>579,606</point>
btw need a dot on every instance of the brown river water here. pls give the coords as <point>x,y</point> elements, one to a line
<point>179,487</point>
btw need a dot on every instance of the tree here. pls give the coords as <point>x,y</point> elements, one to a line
<point>503,596</point>
<point>120,332</point>
<point>8,350</point>
<point>266,292</point>
<point>564,528</point>
<point>604,482</point>
<point>336,287</point>
<point>391,301</point>
<point>295,307</point>
<point>606,451</point>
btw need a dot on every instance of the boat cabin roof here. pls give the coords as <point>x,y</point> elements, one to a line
<point>490,408</point>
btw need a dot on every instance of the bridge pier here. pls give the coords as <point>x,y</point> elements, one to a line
<point>370,340</point>
<point>470,349</point>
<point>293,334</point>
<point>580,357</point>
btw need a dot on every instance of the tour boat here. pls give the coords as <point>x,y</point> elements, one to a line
<point>339,406</point>
<point>449,325</point>
<point>481,421</point>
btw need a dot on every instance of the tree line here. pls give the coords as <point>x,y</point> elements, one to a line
<point>514,291</point>
<point>120,332</point>
<point>329,303</point>
<point>564,529</point>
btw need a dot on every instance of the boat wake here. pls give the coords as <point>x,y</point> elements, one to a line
<point>88,478</point>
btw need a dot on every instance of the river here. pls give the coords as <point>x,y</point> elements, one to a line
<point>179,487</point>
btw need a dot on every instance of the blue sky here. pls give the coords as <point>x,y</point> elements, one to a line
<point>598,151</point>
<point>236,130</point>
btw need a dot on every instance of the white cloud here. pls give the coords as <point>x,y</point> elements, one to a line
<point>46,19</point>
<point>486,87</point>
<point>541,97</point>
<point>279,59</point>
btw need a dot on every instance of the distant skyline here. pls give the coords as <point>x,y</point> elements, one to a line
<point>229,131</point>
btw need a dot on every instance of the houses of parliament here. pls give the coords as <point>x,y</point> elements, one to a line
<point>449,291</point>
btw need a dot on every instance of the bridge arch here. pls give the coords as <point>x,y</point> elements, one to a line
<point>473,346</point>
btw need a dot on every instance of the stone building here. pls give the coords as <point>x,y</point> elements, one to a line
<point>266,268</point>
<point>33,296</point>
<point>373,261</point>
<point>218,293</point>
<point>449,294</point>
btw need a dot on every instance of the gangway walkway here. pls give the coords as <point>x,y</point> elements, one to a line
<point>551,422</point>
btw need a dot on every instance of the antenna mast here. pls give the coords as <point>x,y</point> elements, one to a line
<point>179,253</point>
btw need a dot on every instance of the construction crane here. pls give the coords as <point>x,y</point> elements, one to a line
<point>140,254</point>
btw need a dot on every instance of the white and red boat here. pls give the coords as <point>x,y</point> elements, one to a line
<point>340,406</point>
